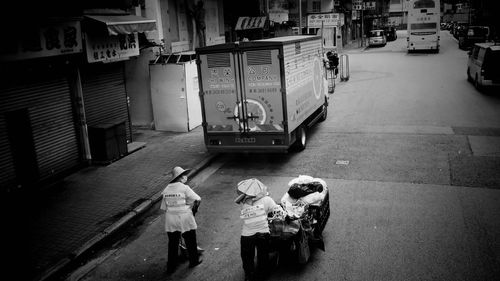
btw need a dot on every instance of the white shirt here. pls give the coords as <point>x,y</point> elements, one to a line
<point>177,201</point>
<point>254,216</point>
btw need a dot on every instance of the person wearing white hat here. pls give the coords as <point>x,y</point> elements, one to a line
<point>177,202</point>
<point>256,204</point>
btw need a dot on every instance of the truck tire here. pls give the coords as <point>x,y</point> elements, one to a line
<point>324,113</point>
<point>301,139</point>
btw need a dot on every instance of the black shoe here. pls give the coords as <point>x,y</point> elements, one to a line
<point>191,265</point>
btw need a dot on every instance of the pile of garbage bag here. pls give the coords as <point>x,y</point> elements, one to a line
<point>303,191</point>
<point>292,214</point>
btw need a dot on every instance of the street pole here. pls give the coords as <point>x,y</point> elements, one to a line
<point>402,13</point>
<point>362,28</point>
<point>300,17</point>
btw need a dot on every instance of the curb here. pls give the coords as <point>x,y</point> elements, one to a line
<point>127,218</point>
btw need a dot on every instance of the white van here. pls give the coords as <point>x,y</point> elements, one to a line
<point>483,66</point>
<point>377,38</point>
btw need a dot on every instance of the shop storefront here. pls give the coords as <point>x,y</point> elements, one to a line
<point>39,138</point>
<point>329,26</point>
<point>57,87</point>
<point>109,41</point>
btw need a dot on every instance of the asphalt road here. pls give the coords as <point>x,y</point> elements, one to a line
<point>411,155</point>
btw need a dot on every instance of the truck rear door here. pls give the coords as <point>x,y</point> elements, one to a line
<point>261,94</point>
<point>220,91</point>
<point>242,91</point>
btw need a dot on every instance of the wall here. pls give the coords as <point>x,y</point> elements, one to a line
<point>327,6</point>
<point>212,22</point>
<point>153,11</point>
<point>138,88</point>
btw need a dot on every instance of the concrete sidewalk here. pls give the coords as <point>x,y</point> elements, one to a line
<point>94,202</point>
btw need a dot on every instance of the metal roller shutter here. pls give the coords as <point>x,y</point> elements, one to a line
<point>7,170</point>
<point>49,106</point>
<point>104,94</point>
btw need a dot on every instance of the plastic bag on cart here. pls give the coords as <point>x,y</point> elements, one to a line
<point>305,179</point>
<point>303,250</point>
<point>298,190</point>
<point>284,229</point>
<point>303,185</point>
<point>295,207</point>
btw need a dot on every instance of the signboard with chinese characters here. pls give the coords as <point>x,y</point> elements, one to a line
<point>111,48</point>
<point>355,15</point>
<point>55,39</point>
<point>369,5</point>
<point>328,19</point>
<point>357,5</point>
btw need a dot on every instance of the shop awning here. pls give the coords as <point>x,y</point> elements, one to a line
<point>245,23</point>
<point>121,24</point>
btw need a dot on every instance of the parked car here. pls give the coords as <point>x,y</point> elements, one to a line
<point>458,29</point>
<point>390,32</point>
<point>377,37</point>
<point>474,34</point>
<point>483,66</point>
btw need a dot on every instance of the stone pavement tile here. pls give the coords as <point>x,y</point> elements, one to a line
<point>88,201</point>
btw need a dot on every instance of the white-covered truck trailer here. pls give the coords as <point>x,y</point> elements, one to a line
<point>261,95</point>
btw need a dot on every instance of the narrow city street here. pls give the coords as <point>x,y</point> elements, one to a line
<point>410,152</point>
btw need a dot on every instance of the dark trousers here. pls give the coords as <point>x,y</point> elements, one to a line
<point>173,247</point>
<point>249,244</point>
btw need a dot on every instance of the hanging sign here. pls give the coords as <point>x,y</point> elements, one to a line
<point>111,48</point>
<point>370,5</point>
<point>55,39</point>
<point>357,5</point>
<point>328,19</point>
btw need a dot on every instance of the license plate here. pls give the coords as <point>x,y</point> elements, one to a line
<point>244,140</point>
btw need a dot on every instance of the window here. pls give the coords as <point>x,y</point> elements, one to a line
<point>475,52</point>
<point>427,25</point>
<point>480,56</point>
<point>492,59</point>
<point>316,6</point>
<point>376,33</point>
<point>478,31</point>
<point>424,4</point>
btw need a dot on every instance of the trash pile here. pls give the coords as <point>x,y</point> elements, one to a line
<point>294,211</point>
<point>303,191</point>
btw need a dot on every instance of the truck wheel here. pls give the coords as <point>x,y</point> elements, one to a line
<point>324,113</point>
<point>301,139</point>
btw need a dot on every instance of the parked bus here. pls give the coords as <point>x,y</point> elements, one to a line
<point>423,25</point>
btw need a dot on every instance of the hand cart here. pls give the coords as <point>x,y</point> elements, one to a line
<point>293,238</point>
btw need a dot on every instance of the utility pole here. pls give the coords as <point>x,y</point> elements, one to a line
<point>402,13</point>
<point>362,27</point>
<point>300,17</point>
